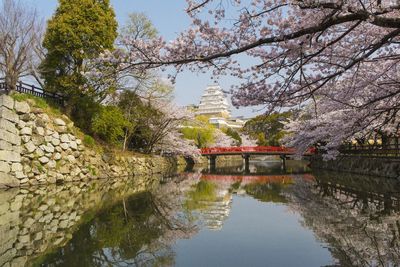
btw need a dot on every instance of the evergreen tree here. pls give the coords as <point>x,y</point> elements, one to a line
<point>79,30</point>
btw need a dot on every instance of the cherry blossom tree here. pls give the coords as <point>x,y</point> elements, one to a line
<point>247,140</point>
<point>222,140</point>
<point>339,56</point>
<point>165,136</point>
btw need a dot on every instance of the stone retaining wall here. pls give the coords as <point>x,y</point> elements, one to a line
<point>41,148</point>
<point>38,219</point>
<point>384,167</point>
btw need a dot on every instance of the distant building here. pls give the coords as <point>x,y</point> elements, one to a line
<point>214,103</point>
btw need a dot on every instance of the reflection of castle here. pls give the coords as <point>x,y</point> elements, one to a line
<point>218,211</point>
<point>214,105</point>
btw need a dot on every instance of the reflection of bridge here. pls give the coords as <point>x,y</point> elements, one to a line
<point>247,151</point>
<point>248,179</point>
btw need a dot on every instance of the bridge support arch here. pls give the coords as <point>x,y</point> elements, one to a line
<point>283,158</point>
<point>212,162</point>
<point>246,159</point>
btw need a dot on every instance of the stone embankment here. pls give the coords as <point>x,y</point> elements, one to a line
<point>36,220</point>
<point>383,167</point>
<point>37,147</point>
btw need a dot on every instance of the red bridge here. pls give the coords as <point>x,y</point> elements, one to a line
<point>253,150</point>
<point>247,151</point>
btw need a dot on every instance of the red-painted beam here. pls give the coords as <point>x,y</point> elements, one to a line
<point>252,150</point>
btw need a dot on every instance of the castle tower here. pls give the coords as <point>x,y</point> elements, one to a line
<point>214,103</point>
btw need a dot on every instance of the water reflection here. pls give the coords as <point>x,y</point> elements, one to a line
<point>267,218</point>
<point>37,220</point>
<point>358,216</point>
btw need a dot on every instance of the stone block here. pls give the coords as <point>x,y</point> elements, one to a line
<point>4,207</point>
<point>20,175</point>
<point>39,131</point>
<point>64,146</point>
<point>9,115</point>
<point>57,156</point>
<point>38,140</point>
<point>25,138</point>
<point>73,145</point>
<point>8,126</point>
<point>21,124</point>
<point>44,117</point>
<point>10,137</point>
<point>39,152</point>
<point>59,122</point>
<point>64,138</point>
<point>55,141</point>
<point>49,148</point>
<point>16,167</point>
<point>6,101</point>
<point>44,160</point>
<point>4,167</point>
<point>6,180</point>
<point>26,131</point>
<point>5,145</point>
<point>21,107</point>
<point>30,147</point>
<point>9,156</point>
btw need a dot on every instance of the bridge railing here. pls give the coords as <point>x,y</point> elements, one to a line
<point>25,88</point>
<point>251,149</point>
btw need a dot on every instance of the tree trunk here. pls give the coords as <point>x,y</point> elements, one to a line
<point>11,83</point>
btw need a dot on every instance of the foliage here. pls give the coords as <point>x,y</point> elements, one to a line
<point>204,191</point>
<point>88,141</point>
<point>267,192</point>
<point>268,129</point>
<point>38,102</point>
<point>83,112</point>
<point>138,27</point>
<point>138,230</point>
<point>235,135</point>
<point>109,124</point>
<point>223,140</point>
<point>339,56</point>
<point>78,31</point>
<point>202,136</point>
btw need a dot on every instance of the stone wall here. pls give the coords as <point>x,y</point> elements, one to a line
<point>38,219</point>
<point>38,147</point>
<point>384,167</point>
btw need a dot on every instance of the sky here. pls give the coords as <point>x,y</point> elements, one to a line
<point>169,19</point>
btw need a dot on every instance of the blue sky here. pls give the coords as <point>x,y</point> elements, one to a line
<point>169,18</point>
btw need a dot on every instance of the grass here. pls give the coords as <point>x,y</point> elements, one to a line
<point>38,102</point>
<point>89,141</point>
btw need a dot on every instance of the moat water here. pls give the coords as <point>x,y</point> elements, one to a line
<point>268,217</point>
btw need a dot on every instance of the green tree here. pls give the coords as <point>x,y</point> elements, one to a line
<point>200,131</point>
<point>110,124</point>
<point>138,26</point>
<point>268,129</point>
<point>234,134</point>
<point>78,31</point>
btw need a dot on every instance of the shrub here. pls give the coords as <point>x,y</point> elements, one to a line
<point>110,124</point>
<point>89,141</point>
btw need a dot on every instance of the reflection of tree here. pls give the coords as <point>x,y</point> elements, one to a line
<point>199,198</point>
<point>360,224</point>
<point>138,231</point>
<point>267,192</point>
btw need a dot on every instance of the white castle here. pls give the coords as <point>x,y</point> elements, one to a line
<point>214,103</point>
